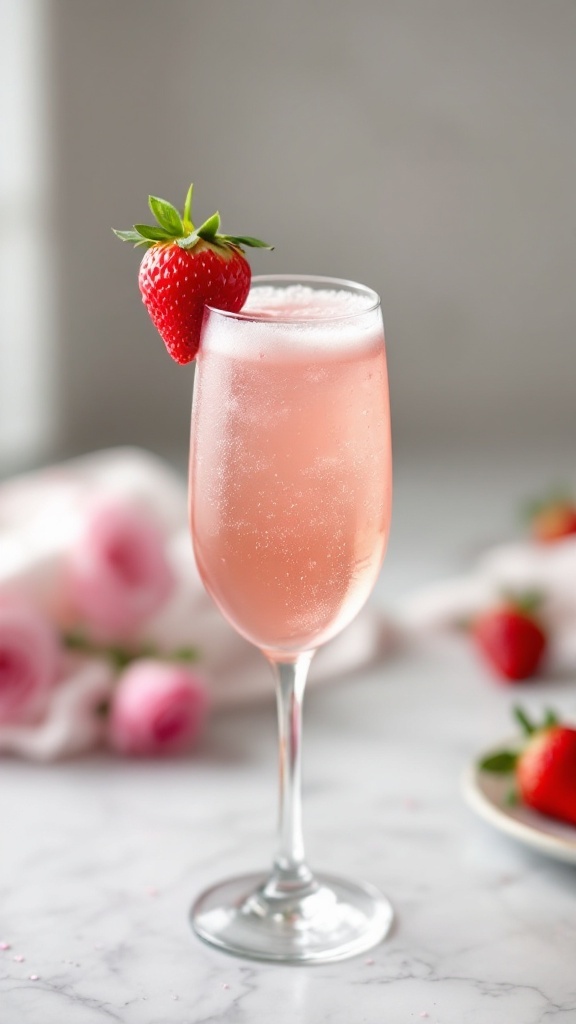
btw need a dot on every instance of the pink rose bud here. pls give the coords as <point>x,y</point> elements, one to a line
<point>29,661</point>
<point>158,708</point>
<point>119,573</point>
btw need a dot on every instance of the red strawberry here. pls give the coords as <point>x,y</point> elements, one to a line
<point>546,773</point>
<point>545,769</point>
<point>185,268</point>
<point>510,639</point>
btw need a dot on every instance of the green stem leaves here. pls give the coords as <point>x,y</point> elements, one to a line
<point>171,227</point>
<point>501,763</point>
<point>167,216</point>
<point>188,225</point>
<point>121,655</point>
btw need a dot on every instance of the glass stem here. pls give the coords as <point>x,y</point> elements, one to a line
<point>290,869</point>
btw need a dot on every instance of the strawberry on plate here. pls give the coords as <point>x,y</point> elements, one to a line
<point>553,518</point>
<point>185,268</point>
<point>510,638</point>
<point>544,768</point>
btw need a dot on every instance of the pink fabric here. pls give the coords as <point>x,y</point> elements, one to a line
<point>72,722</point>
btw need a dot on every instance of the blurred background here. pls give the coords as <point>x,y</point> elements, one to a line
<point>426,149</point>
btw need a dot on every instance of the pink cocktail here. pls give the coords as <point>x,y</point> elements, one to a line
<point>290,497</point>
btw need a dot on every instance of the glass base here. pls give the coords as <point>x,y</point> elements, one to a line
<point>327,919</point>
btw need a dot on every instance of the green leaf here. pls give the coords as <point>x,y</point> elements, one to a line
<point>166,215</point>
<point>186,654</point>
<point>127,236</point>
<point>208,229</point>
<point>254,243</point>
<point>135,237</point>
<point>152,233</point>
<point>188,208</point>
<point>550,718</point>
<point>528,727</point>
<point>501,764</point>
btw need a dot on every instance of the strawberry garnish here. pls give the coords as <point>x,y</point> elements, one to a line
<point>544,768</point>
<point>552,518</point>
<point>185,268</point>
<point>510,638</point>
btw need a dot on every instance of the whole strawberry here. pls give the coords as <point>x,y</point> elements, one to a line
<point>185,268</point>
<point>545,768</point>
<point>510,638</point>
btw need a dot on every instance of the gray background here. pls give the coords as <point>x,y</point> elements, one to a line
<point>425,148</point>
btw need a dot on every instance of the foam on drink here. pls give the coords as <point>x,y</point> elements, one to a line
<point>283,321</point>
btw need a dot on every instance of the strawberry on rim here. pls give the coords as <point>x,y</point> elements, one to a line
<point>185,268</point>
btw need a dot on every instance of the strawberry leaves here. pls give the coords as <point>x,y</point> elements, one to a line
<point>525,723</point>
<point>501,763</point>
<point>132,236</point>
<point>253,243</point>
<point>506,761</point>
<point>151,233</point>
<point>185,268</point>
<point>167,216</point>
<point>208,230</point>
<point>529,727</point>
<point>170,227</point>
<point>188,208</point>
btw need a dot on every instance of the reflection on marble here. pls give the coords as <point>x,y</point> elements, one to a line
<point>100,860</point>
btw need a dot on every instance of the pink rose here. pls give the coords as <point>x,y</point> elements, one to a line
<point>118,573</point>
<point>29,661</point>
<point>158,708</point>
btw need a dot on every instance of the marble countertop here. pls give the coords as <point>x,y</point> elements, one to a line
<point>100,859</point>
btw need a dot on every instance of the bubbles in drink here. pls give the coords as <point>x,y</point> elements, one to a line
<point>290,483</point>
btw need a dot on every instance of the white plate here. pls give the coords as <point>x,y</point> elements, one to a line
<point>486,794</point>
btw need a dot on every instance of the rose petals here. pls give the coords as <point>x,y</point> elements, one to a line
<point>29,660</point>
<point>157,708</point>
<point>118,572</point>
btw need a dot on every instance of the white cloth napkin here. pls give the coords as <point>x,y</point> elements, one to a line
<point>41,516</point>
<point>549,569</point>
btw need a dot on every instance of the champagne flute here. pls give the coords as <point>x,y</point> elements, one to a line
<point>290,497</point>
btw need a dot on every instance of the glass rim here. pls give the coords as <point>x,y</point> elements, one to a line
<point>306,279</point>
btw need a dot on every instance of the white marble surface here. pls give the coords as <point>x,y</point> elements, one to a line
<point>100,859</point>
